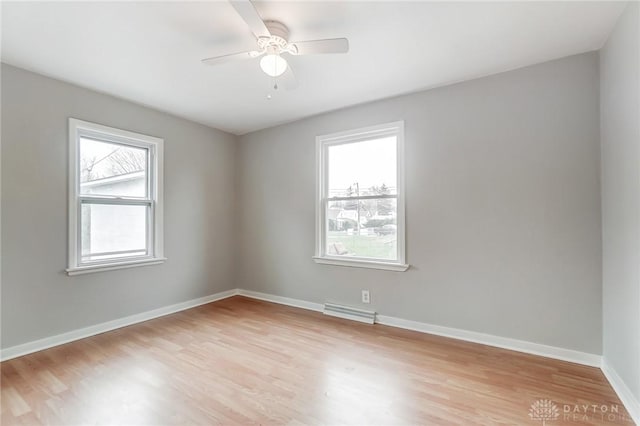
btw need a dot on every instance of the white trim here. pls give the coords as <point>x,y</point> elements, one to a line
<point>363,134</point>
<point>319,228</point>
<point>371,264</point>
<point>158,205</point>
<point>296,303</point>
<point>539,349</point>
<point>113,266</point>
<point>60,339</point>
<point>400,219</point>
<point>470,336</point>
<point>630,402</point>
<point>154,199</point>
<point>624,393</point>
<point>563,354</point>
<point>73,213</point>
<point>350,136</point>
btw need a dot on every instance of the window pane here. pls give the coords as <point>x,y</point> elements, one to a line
<point>113,231</point>
<point>363,168</point>
<point>365,228</point>
<point>112,169</point>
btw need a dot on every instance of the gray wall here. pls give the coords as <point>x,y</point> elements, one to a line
<point>620,135</point>
<point>38,298</point>
<point>503,207</point>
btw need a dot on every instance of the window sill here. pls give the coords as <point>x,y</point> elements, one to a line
<point>387,266</point>
<point>112,266</point>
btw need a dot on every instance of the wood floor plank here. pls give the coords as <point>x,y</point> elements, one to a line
<point>242,361</point>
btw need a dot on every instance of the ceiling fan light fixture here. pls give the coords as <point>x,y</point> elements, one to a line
<point>273,65</point>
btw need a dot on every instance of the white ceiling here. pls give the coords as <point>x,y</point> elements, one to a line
<point>150,52</point>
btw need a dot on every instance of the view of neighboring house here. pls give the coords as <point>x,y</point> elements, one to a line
<point>108,230</point>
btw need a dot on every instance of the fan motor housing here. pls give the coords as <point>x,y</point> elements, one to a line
<point>278,29</point>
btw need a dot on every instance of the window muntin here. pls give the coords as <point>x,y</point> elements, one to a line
<point>360,215</point>
<point>115,206</point>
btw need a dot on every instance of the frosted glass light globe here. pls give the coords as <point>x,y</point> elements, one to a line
<point>273,65</point>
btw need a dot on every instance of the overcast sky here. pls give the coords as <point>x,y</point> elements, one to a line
<point>369,163</point>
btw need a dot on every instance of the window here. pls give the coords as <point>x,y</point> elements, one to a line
<point>360,198</point>
<point>115,198</point>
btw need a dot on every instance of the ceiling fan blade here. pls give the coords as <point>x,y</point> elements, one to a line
<point>313,47</point>
<point>288,79</point>
<point>250,15</point>
<point>217,60</point>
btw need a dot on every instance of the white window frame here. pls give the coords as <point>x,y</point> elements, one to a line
<point>154,199</point>
<point>351,136</point>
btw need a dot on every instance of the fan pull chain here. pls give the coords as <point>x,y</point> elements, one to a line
<point>275,87</point>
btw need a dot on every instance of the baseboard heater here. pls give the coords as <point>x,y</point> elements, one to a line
<point>347,312</point>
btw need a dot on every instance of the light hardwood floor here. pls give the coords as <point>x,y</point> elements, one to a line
<point>241,361</point>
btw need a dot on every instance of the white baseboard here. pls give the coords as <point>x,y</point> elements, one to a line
<point>570,355</point>
<point>60,339</point>
<point>470,336</point>
<point>554,352</point>
<point>297,303</point>
<point>630,402</point>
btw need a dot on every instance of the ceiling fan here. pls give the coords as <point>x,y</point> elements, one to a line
<point>272,39</point>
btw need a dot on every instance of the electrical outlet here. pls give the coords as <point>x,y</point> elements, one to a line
<point>365,296</point>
